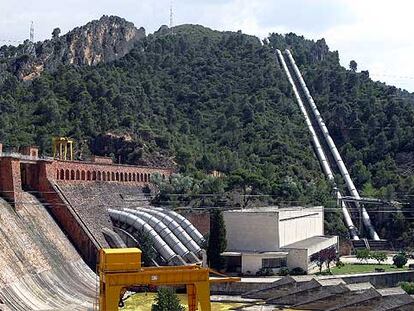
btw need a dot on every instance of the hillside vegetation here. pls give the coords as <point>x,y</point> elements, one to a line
<point>218,101</point>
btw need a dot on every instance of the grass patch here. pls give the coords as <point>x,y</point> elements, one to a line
<point>364,268</point>
<point>144,301</point>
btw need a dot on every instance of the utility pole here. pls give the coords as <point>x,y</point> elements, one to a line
<point>171,17</point>
<point>32,32</point>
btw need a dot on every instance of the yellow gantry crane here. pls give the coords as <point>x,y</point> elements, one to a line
<point>120,268</point>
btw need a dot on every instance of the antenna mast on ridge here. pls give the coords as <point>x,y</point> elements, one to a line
<point>32,32</point>
<point>171,17</point>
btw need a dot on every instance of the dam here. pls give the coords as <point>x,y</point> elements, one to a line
<point>55,214</point>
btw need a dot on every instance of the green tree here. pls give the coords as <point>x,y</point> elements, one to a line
<point>353,65</point>
<point>363,255</point>
<point>217,242</point>
<point>380,257</point>
<point>167,300</point>
<point>400,260</point>
<point>146,245</point>
<point>56,33</point>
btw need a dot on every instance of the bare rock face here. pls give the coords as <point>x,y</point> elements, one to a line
<point>99,41</point>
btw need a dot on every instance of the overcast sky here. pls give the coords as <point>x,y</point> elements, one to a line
<point>377,34</point>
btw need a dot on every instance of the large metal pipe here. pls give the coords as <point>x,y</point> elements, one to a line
<point>318,147</point>
<point>179,231</point>
<point>338,159</point>
<point>166,234</point>
<point>185,224</point>
<point>137,224</point>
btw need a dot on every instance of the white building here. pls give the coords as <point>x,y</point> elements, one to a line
<point>274,237</point>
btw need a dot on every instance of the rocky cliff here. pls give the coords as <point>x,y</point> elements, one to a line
<point>103,40</point>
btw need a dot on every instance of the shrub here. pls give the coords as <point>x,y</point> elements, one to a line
<point>339,264</point>
<point>400,260</point>
<point>298,271</point>
<point>408,287</point>
<point>167,300</point>
<point>265,272</point>
<point>380,257</point>
<point>363,255</point>
<point>283,271</point>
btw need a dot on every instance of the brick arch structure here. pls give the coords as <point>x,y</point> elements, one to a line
<point>77,171</point>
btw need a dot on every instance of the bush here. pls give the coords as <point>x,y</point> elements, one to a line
<point>339,264</point>
<point>363,255</point>
<point>167,300</point>
<point>265,272</point>
<point>298,271</point>
<point>400,260</point>
<point>408,287</point>
<point>283,271</point>
<point>380,257</point>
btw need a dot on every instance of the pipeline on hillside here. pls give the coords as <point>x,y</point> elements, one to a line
<point>179,231</point>
<point>137,224</point>
<point>338,159</point>
<point>166,234</point>
<point>318,148</point>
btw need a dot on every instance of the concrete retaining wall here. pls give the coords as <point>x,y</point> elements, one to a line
<point>379,280</point>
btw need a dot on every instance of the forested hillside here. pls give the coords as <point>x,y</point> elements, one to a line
<point>218,101</point>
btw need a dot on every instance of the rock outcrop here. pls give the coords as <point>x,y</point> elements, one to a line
<point>99,41</point>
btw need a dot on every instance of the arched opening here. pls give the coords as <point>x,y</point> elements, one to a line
<point>134,176</point>
<point>88,175</point>
<point>142,178</point>
<point>108,176</point>
<point>163,177</point>
<point>113,176</point>
<point>57,174</point>
<point>93,175</point>
<point>145,177</point>
<point>129,177</point>
<point>117,176</point>
<point>125,177</point>
<point>67,175</point>
<point>77,174</point>
<point>99,175</point>
<point>62,174</point>
<point>83,175</point>
<point>149,177</point>
<point>72,175</point>
<point>104,176</point>
<point>122,176</point>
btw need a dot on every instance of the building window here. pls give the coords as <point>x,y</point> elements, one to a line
<point>273,262</point>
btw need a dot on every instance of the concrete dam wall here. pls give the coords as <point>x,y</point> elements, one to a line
<point>39,267</point>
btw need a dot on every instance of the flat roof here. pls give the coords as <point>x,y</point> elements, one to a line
<point>309,242</point>
<point>265,253</point>
<point>274,209</point>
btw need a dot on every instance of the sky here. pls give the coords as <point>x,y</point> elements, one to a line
<point>377,34</point>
